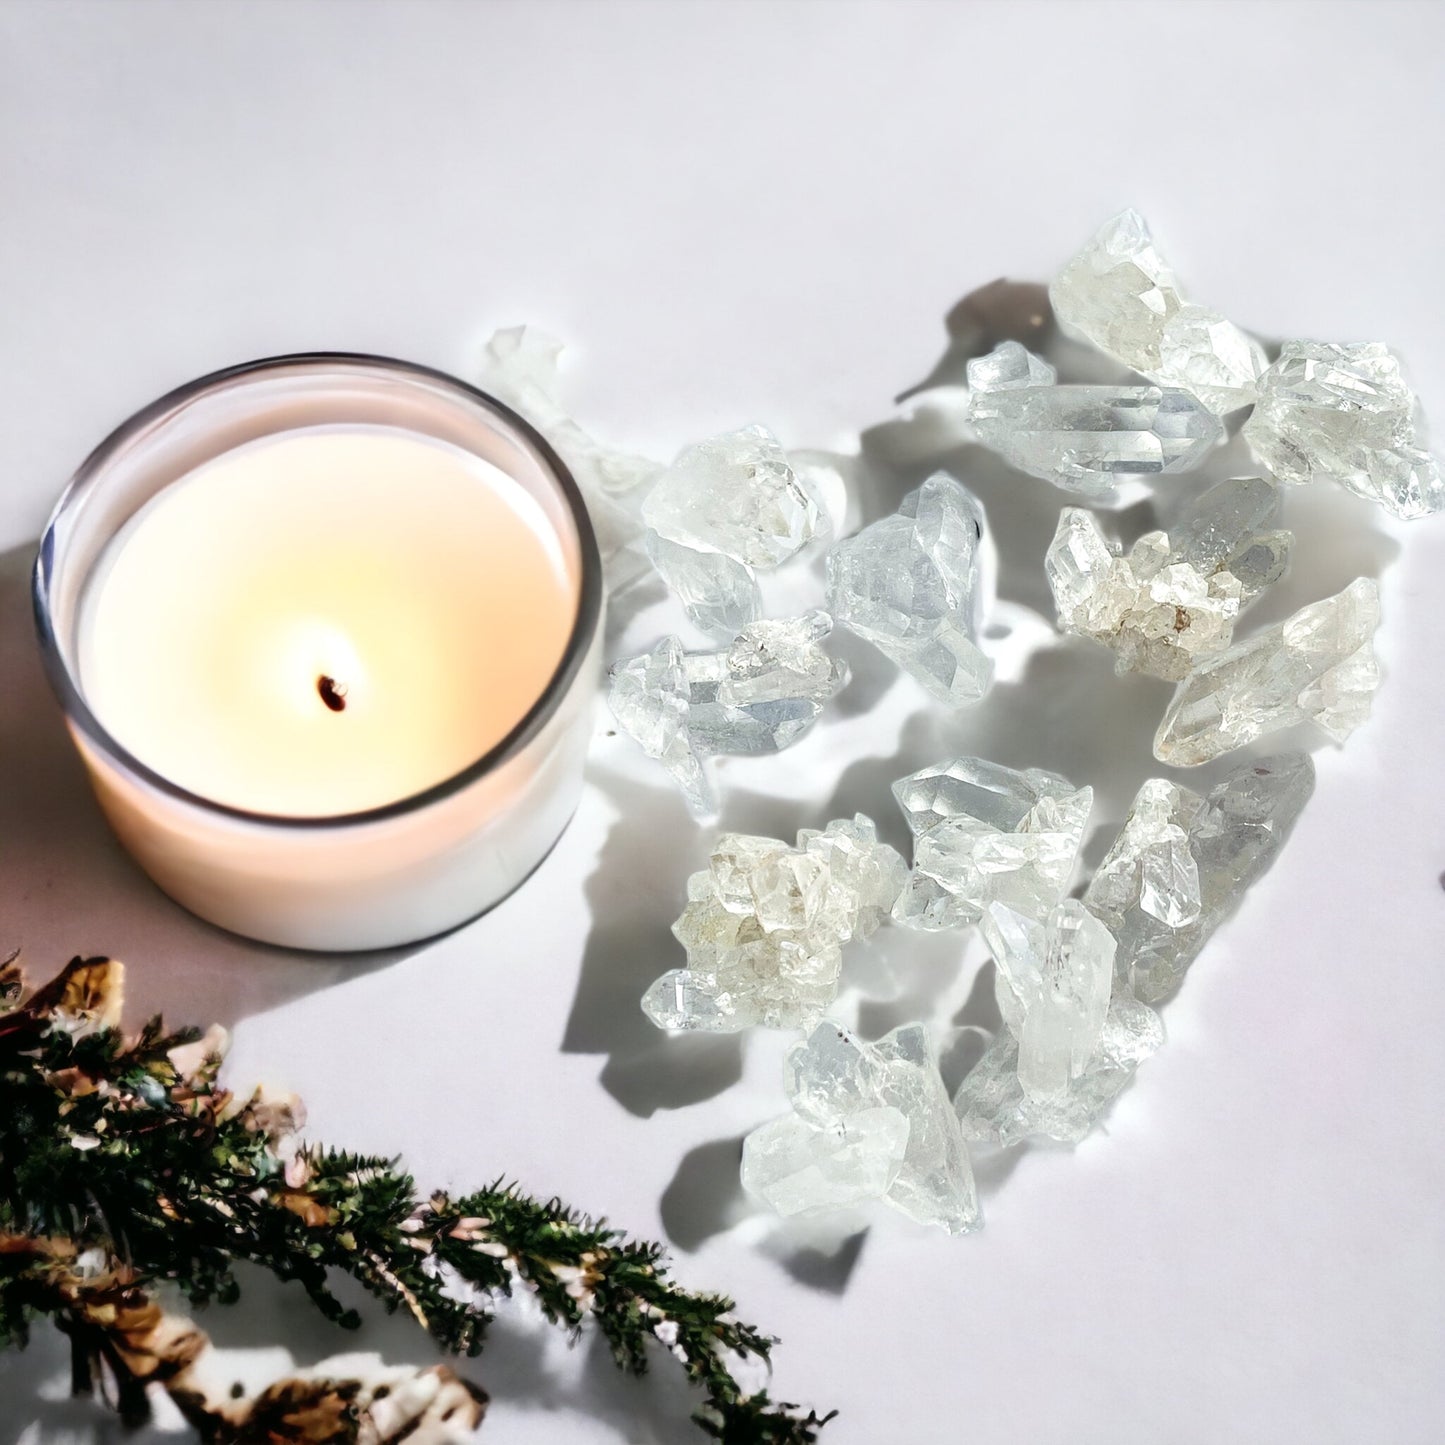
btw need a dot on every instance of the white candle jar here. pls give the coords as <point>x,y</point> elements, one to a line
<point>394,871</point>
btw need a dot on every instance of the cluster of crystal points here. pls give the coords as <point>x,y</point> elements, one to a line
<point>725,508</point>
<point>765,924</point>
<point>1084,439</point>
<point>985,834</point>
<point>1174,598</point>
<point>1347,413</point>
<point>868,1121</point>
<point>1318,665</point>
<point>1122,295</point>
<point>757,695</point>
<point>912,585</point>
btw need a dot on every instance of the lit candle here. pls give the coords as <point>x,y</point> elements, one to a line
<point>323,630</point>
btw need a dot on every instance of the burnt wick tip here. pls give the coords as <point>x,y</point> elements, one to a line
<point>333,694</point>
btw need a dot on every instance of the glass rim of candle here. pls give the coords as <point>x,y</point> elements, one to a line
<point>89,476</point>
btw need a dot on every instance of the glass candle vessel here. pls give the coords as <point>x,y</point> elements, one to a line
<point>325,630</point>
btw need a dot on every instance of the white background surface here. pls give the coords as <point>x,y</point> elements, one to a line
<point>762,212</point>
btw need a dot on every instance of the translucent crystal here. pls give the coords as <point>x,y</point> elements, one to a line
<point>765,924</point>
<point>910,585</point>
<point>1317,665</point>
<point>758,695</point>
<point>984,834</point>
<point>1054,980</point>
<point>520,366</point>
<point>718,593</point>
<point>1088,439</point>
<point>1174,598</point>
<point>737,494</point>
<point>1009,365</point>
<point>1346,412</point>
<point>842,1144</point>
<point>994,1108</point>
<point>1160,905</point>
<point>1122,295</point>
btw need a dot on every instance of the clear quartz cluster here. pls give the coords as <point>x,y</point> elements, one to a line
<point>1174,598</point>
<point>913,585</point>
<point>520,366</point>
<point>765,924</point>
<point>1318,665</point>
<point>1084,439</point>
<point>1122,295</point>
<point>868,1122</point>
<point>724,509</point>
<point>1347,413</point>
<point>987,834</point>
<point>1182,862</point>
<point>757,695</point>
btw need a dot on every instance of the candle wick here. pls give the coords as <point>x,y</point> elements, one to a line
<point>333,693</point>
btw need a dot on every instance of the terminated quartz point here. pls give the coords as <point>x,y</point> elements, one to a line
<point>765,925</point>
<point>869,1121</point>
<point>1084,439</point>
<point>758,695</point>
<point>1122,295</point>
<point>1318,665</point>
<point>1174,598</point>
<point>520,365</point>
<point>986,834</point>
<point>911,585</point>
<point>725,507</point>
<point>1182,862</point>
<point>1345,412</point>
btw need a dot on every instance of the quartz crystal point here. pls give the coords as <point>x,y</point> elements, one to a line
<point>1182,862</point>
<point>736,494</point>
<point>765,924</point>
<point>1317,665</point>
<point>718,593</point>
<point>1084,439</point>
<point>869,1121</point>
<point>520,366</point>
<point>1122,295</point>
<point>911,585</point>
<point>758,695</point>
<point>1345,412</point>
<point>984,834</point>
<point>1175,597</point>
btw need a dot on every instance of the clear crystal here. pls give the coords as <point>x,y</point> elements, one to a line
<point>765,924</point>
<point>1007,366</point>
<point>1317,665</point>
<point>718,593</point>
<point>985,833</point>
<point>841,1145</point>
<point>1055,976</point>
<point>1346,412</point>
<point>1161,908</point>
<point>758,695</point>
<point>1173,599</point>
<point>520,366</point>
<point>993,1107</point>
<point>910,585</point>
<point>1088,439</point>
<point>1122,295</point>
<point>737,494</point>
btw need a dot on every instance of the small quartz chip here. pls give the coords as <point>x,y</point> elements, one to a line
<point>1175,597</point>
<point>1317,665</point>
<point>911,584</point>
<point>1182,862</point>
<point>869,1121</point>
<point>758,695</point>
<point>984,833</point>
<point>1084,439</point>
<point>765,924</point>
<point>1346,412</point>
<point>1120,294</point>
